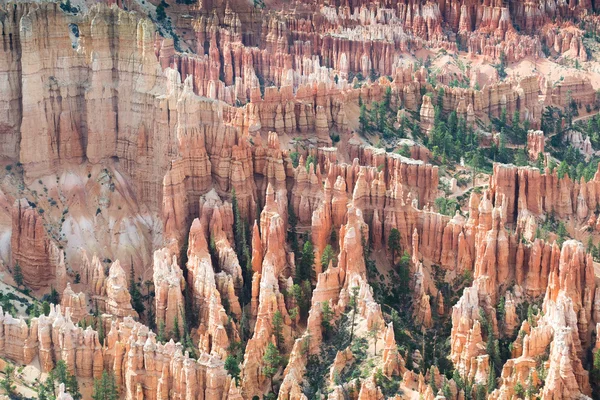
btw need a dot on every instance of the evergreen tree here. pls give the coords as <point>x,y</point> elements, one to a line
<point>277,323</point>
<point>272,360</point>
<point>239,231</point>
<point>491,384</point>
<point>300,300</point>
<point>54,297</point>
<point>292,236</point>
<point>373,333</point>
<point>293,313</point>
<point>354,309</point>
<point>326,317</point>
<point>540,162</point>
<point>176,334</point>
<point>137,300</point>
<point>232,367</point>
<point>563,169</point>
<point>327,256</point>
<point>562,233</point>
<point>394,243</point>
<point>100,329</point>
<point>432,383</point>
<point>161,15</point>
<point>244,326</point>
<point>105,388</point>
<point>363,120</point>
<point>387,99</point>
<point>7,384</point>
<point>46,308</point>
<point>60,374</point>
<point>161,332</point>
<point>18,275</point>
<point>305,270</point>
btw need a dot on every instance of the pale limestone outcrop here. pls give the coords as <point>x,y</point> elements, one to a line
<point>75,302</point>
<point>118,299</point>
<point>168,287</point>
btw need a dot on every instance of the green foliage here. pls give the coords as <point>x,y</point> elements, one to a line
<point>519,390</point>
<point>277,324</point>
<point>563,169</point>
<point>295,157</point>
<point>60,374</point>
<point>161,15</point>
<point>105,388</point>
<point>562,233</point>
<point>232,367</point>
<point>389,387</point>
<point>363,120</point>
<point>327,256</point>
<point>501,66</point>
<point>446,206</point>
<point>7,383</point>
<point>46,308</point>
<point>66,6</point>
<point>450,139</point>
<point>305,269</point>
<point>176,333</point>
<point>432,383</point>
<point>301,298</point>
<point>394,243</point>
<point>491,384</point>
<point>311,160</point>
<point>272,361</point>
<point>326,318</point>
<point>353,304</point>
<point>18,275</point>
<point>137,301</point>
<point>373,333</point>
<point>160,336</point>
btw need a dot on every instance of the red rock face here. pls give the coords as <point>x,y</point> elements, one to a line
<point>40,260</point>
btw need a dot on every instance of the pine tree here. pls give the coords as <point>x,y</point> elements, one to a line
<point>100,329</point>
<point>60,374</point>
<point>272,360</point>
<point>7,384</point>
<point>232,367</point>
<point>137,301</point>
<point>300,300</point>
<point>293,313</point>
<point>277,324</point>
<point>354,308</point>
<point>54,296</point>
<point>563,169</point>
<point>46,308</point>
<point>387,99</point>
<point>363,120</point>
<point>18,275</point>
<point>561,232</point>
<point>540,162</point>
<point>176,334</point>
<point>161,332</point>
<point>305,270</point>
<point>160,12</point>
<point>105,388</point>
<point>326,317</point>
<point>432,383</point>
<point>491,384</point>
<point>373,333</point>
<point>327,256</point>
<point>394,243</point>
